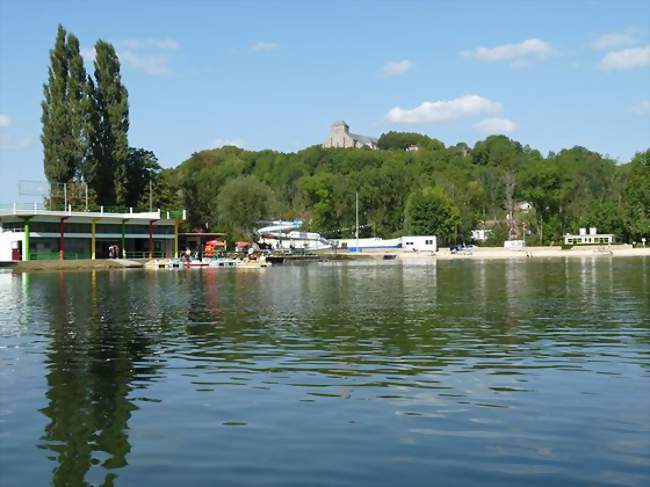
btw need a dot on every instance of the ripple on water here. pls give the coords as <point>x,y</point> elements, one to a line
<point>466,372</point>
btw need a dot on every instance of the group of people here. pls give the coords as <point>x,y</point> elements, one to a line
<point>113,251</point>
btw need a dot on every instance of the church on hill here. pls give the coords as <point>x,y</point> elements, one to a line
<point>340,137</point>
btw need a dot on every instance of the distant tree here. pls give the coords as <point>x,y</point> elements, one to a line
<point>141,168</point>
<point>402,140</point>
<point>242,203</point>
<point>430,212</point>
<point>541,187</point>
<point>636,197</point>
<point>108,171</point>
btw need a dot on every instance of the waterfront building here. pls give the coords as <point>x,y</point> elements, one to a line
<point>340,137</point>
<point>589,238</point>
<point>37,234</point>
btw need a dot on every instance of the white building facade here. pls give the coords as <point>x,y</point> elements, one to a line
<point>37,234</point>
<point>592,237</point>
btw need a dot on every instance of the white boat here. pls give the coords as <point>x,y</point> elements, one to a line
<point>223,263</point>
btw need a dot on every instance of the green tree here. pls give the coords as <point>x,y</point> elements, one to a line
<point>242,203</point>
<point>430,212</point>
<point>77,107</point>
<point>403,140</point>
<point>636,197</point>
<point>108,171</point>
<point>61,110</point>
<point>142,168</point>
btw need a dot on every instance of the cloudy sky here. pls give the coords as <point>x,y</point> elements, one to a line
<point>274,74</point>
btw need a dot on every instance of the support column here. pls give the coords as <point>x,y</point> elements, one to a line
<point>150,239</point>
<point>26,243</point>
<point>151,222</point>
<point>93,246</point>
<point>62,238</point>
<point>123,240</point>
<point>175,239</point>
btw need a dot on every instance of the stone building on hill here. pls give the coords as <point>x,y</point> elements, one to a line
<point>340,137</point>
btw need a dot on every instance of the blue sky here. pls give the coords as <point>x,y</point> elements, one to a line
<point>274,74</point>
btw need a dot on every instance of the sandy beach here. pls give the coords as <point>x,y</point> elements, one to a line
<point>495,253</point>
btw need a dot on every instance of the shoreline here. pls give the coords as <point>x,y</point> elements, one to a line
<point>491,253</point>
<point>480,254</point>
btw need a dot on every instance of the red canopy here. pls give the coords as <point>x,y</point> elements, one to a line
<point>243,244</point>
<point>215,243</point>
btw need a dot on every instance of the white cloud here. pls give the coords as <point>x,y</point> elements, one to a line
<point>444,111</point>
<point>153,65</point>
<point>149,43</point>
<point>643,108</point>
<point>496,126</point>
<point>396,68</point>
<point>88,53</point>
<point>264,46</point>
<point>224,142</point>
<point>5,121</point>
<point>9,142</point>
<point>517,53</point>
<point>634,57</point>
<point>615,39</point>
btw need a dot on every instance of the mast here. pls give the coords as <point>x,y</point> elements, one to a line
<point>356,233</point>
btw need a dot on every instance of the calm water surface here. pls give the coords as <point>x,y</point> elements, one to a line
<point>458,373</point>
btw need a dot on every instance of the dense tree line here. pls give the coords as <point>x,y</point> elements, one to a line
<point>85,129</point>
<point>443,190</point>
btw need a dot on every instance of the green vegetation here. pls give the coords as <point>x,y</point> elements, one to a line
<point>85,129</point>
<point>443,190</point>
<point>447,191</point>
<point>430,212</point>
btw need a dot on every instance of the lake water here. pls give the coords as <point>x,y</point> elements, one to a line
<point>457,373</point>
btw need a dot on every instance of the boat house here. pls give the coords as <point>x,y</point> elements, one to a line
<point>33,233</point>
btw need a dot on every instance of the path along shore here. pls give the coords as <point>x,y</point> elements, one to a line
<point>487,253</point>
<point>479,253</point>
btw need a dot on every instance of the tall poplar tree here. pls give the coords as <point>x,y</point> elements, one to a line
<point>58,167</point>
<point>77,108</point>
<point>64,111</point>
<point>109,124</point>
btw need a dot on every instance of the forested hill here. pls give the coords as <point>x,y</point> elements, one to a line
<point>447,191</point>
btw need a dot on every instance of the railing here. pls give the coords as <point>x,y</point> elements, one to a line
<point>162,213</point>
<point>144,254</point>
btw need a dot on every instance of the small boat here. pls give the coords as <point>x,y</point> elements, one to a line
<point>260,263</point>
<point>198,263</point>
<point>223,263</point>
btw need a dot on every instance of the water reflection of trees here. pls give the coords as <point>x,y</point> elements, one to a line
<point>98,349</point>
<point>437,314</point>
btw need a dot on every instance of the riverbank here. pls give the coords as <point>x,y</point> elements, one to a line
<point>479,253</point>
<point>80,264</point>
<point>490,253</point>
<point>500,253</point>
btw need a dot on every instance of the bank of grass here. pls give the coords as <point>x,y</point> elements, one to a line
<point>80,264</point>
